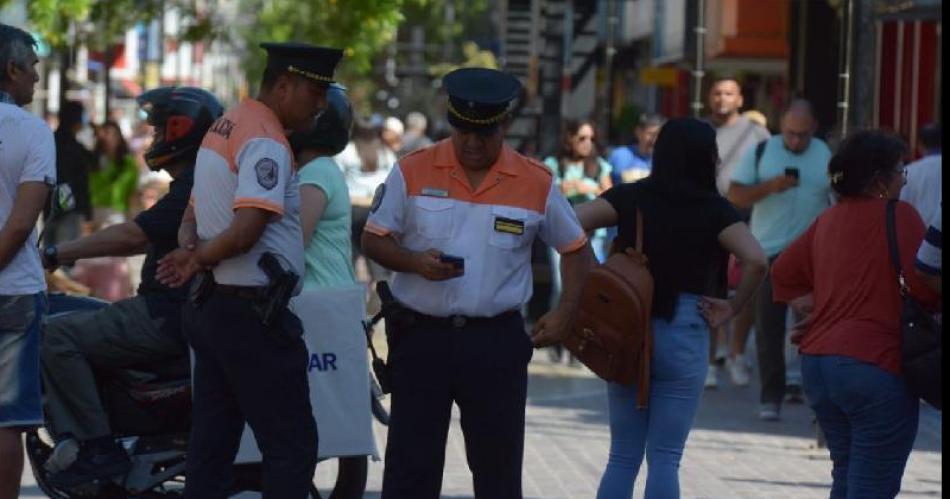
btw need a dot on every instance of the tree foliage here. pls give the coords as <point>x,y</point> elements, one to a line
<point>360,27</point>
<point>100,23</point>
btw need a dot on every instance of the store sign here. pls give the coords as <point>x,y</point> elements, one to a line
<point>661,77</point>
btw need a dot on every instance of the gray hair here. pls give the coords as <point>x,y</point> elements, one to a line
<point>16,46</point>
<point>416,121</point>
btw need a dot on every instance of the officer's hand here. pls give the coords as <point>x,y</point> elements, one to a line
<point>551,329</point>
<point>782,183</point>
<point>177,268</point>
<point>428,265</point>
<point>48,265</point>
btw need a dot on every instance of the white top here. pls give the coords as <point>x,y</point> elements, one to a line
<point>27,154</point>
<point>923,186</point>
<point>363,184</point>
<point>245,161</point>
<point>427,202</point>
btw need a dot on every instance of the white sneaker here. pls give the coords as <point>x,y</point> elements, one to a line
<point>711,378</point>
<point>738,370</point>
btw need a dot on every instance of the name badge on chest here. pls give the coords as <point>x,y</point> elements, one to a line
<point>509,225</point>
<point>436,193</point>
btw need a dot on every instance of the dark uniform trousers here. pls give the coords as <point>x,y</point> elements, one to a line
<point>241,373</point>
<point>483,367</point>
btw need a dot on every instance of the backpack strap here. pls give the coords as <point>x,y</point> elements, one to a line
<point>759,151</point>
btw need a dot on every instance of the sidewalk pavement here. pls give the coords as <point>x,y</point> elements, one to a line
<point>730,454</point>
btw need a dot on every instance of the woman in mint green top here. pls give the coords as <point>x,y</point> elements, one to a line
<point>580,172</point>
<point>115,181</point>
<point>325,220</point>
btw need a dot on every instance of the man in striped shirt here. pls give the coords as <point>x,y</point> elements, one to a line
<point>930,255</point>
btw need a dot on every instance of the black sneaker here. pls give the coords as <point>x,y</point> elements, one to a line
<point>93,463</point>
<point>793,394</point>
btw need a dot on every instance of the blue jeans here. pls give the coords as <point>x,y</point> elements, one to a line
<point>869,420</point>
<point>677,373</point>
<point>20,323</point>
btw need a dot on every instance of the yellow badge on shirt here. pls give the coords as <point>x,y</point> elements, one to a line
<point>509,225</point>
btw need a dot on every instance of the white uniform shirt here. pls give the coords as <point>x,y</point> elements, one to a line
<point>923,186</point>
<point>428,203</point>
<point>27,154</point>
<point>245,161</point>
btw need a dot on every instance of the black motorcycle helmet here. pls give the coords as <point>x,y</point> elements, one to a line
<point>330,131</point>
<point>181,117</point>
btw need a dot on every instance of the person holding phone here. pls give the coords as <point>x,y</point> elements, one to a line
<point>788,187</point>
<point>456,222</point>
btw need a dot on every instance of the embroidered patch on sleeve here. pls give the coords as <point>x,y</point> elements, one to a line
<point>266,170</point>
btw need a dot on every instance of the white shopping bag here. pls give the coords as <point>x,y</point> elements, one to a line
<point>338,371</point>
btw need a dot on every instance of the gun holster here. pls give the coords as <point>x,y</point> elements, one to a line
<point>272,306</point>
<point>397,319</point>
<point>201,288</point>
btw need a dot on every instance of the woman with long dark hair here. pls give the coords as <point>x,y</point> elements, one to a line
<point>114,181</point>
<point>689,229</point>
<point>840,275</point>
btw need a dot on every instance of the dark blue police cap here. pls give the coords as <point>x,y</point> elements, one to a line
<point>479,98</point>
<point>309,61</point>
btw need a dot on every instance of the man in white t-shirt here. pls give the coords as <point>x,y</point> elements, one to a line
<point>924,175</point>
<point>27,171</point>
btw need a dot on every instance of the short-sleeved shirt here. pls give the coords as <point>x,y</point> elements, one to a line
<point>245,161</point>
<point>680,239</point>
<point>780,218</point>
<point>114,183</point>
<point>930,254</point>
<point>428,203</point>
<point>733,141</point>
<point>328,252</point>
<point>924,185</point>
<point>627,165</point>
<point>574,170</point>
<point>362,184</point>
<point>160,224</point>
<point>844,261</point>
<point>27,154</point>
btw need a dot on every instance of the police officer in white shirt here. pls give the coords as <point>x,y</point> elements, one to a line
<point>456,222</point>
<point>250,361</point>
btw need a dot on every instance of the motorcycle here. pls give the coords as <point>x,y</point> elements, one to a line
<point>149,409</point>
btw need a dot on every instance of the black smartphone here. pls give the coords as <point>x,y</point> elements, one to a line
<point>456,261</point>
<point>791,171</point>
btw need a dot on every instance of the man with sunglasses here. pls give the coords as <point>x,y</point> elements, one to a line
<point>788,187</point>
<point>456,222</point>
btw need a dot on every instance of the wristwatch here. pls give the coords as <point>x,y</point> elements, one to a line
<point>51,256</point>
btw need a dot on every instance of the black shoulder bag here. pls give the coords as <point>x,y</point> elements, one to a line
<point>921,349</point>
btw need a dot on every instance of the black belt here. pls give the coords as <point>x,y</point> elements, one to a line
<point>458,321</point>
<point>252,293</point>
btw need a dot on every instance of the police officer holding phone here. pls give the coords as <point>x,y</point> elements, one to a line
<point>244,225</point>
<point>456,222</point>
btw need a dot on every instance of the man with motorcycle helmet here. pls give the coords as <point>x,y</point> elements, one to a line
<point>143,329</point>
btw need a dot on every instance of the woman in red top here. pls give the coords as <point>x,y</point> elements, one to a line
<point>840,273</point>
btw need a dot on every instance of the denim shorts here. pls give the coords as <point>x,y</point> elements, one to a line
<point>20,399</point>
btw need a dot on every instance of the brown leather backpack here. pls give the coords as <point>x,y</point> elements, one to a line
<point>612,333</point>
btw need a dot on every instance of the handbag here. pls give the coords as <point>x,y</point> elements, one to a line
<point>612,334</point>
<point>921,348</point>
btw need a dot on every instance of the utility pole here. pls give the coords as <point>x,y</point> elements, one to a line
<point>698,73</point>
<point>844,75</point>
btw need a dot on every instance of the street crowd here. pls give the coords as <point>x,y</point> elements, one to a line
<point>174,219</point>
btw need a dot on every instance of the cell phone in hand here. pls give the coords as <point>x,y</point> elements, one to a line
<point>456,261</point>
<point>791,171</point>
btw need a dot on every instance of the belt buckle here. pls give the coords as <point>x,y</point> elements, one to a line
<point>458,321</point>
